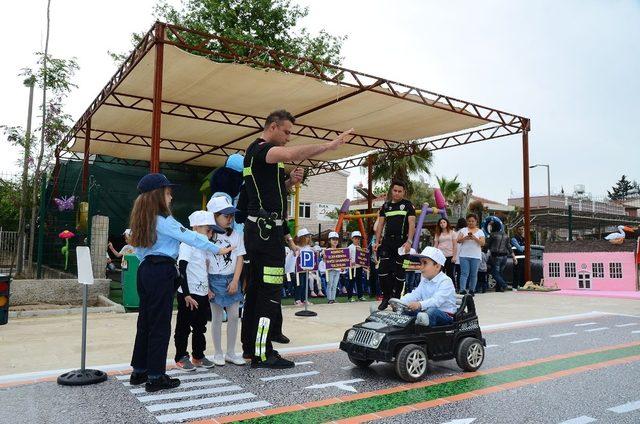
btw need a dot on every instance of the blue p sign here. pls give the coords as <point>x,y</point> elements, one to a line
<point>307,259</point>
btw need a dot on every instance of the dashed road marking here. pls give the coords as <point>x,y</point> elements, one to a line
<point>597,329</point>
<point>525,340</point>
<point>287,376</point>
<point>584,324</point>
<point>342,385</point>
<point>491,346</point>
<point>303,363</point>
<point>627,407</point>
<point>579,420</point>
<point>563,335</point>
<point>188,393</point>
<point>629,324</point>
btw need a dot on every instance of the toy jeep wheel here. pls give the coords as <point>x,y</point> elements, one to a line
<point>361,363</point>
<point>470,354</point>
<point>411,363</point>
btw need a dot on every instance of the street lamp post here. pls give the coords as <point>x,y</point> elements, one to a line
<point>548,183</point>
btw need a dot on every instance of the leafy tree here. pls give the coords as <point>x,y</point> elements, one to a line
<point>9,201</point>
<point>450,188</point>
<point>270,23</point>
<point>389,166</point>
<point>621,190</point>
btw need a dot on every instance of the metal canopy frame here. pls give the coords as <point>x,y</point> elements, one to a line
<point>222,49</point>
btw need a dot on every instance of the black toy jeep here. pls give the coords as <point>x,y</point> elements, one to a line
<point>408,341</point>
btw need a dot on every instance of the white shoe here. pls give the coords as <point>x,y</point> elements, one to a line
<point>218,359</point>
<point>234,359</point>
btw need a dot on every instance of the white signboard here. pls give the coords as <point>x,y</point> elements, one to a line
<point>85,272</point>
<point>324,209</point>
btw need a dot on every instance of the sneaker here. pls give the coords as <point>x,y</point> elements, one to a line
<point>161,383</point>
<point>383,305</point>
<point>275,362</point>
<point>308,303</point>
<point>281,339</point>
<point>331,302</point>
<point>321,294</point>
<point>363,299</point>
<point>352,300</point>
<point>234,359</point>
<point>312,294</point>
<point>185,364</point>
<point>299,303</point>
<point>138,378</point>
<point>203,363</point>
<point>218,359</point>
<point>246,355</point>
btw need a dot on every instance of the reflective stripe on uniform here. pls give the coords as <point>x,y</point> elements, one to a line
<point>280,164</point>
<point>273,275</point>
<point>261,338</point>
<point>246,171</point>
<point>395,213</point>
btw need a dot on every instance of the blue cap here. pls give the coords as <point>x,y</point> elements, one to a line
<point>152,182</point>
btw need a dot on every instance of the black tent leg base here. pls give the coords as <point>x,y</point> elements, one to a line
<point>306,314</point>
<point>82,377</point>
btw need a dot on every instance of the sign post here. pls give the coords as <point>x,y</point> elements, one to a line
<point>307,262</point>
<point>83,376</point>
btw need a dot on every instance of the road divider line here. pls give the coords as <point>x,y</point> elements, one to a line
<point>303,363</point>
<point>584,324</point>
<point>563,335</point>
<point>535,339</point>
<point>596,329</point>
<point>627,407</point>
<point>288,376</point>
<point>630,324</point>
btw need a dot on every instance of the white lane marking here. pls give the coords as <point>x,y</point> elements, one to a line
<point>627,407</point>
<point>461,421</point>
<point>342,385</point>
<point>630,324</point>
<point>597,329</point>
<point>191,384</point>
<point>348,367</point>
<point>303,363</point>
<point>635,332</point>
<point>525,340</point>
<point>491,345</point>
<point>584,324</point>
<point>199,413</point>
<point>563,335</point>
<point>199,402</point>
<point>286,376</point>
<point>561,318</point>
<point>188,393</point>
<point>171,372</point>
<point>202,376</point>
<point>579,420</point>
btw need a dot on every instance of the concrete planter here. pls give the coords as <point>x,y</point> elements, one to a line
<point>54,291</point>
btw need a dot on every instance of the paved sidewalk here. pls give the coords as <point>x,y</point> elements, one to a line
<point>38,344</point>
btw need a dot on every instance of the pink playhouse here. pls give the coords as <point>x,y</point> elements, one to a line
<point>592,265</point>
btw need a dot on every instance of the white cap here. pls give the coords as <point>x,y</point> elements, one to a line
<point>303,232</point>
<point>356,234</point>
<point>201,218</point>
<point>127,232</point>
<point>221,205</point>
<point>333,234</point>
<point>433,253</point>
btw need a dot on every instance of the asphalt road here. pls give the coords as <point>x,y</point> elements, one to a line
<point>229,390</point>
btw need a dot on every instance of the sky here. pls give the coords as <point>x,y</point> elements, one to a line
<point>572,67</point>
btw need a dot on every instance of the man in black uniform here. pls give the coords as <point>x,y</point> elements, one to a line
<point>266,230</point>
<point>397,218</point>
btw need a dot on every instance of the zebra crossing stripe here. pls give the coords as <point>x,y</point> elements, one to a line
<point>627,407</point>
<point>199,413</point>
<point>199,402</point>
<point>286,376</point>
<point>188,393</point>
<point>192,376</point>
<point>191,384</point>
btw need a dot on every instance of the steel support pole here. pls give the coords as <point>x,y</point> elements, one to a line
<point>157,98</point>
<point>85,160</point>
<point>370,221</point>
<point>548,188</point>
<point>527,203</point>
<point>296,208</point>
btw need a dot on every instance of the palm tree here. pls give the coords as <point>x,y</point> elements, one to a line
<point>390,166</point>
<point>450,189</point>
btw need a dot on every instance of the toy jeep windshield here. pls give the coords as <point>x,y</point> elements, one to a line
<point>408,341</point>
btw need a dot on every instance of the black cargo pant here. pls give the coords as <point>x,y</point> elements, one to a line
<point>390,271</point>
<point>261,315</point>
<point>194,322</point>
<point>156,287</point>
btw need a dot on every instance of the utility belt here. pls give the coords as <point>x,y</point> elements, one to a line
<point>255,219</point>
<point>266,222</point>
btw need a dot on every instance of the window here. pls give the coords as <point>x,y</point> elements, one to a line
<point>554,269</point>
<point>304,210</point>
<point>569,269</point>
<point>290,205</point>
<point>615,270</point>
<point>597,269</point>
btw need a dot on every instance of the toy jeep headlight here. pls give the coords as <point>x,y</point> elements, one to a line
<point>350,335</point>
<point>376,339</point>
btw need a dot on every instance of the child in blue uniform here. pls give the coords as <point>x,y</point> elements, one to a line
<point>156,235</point>
<point>435,294</point>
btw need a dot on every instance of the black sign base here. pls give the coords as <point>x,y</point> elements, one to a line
<point>82,377</point>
